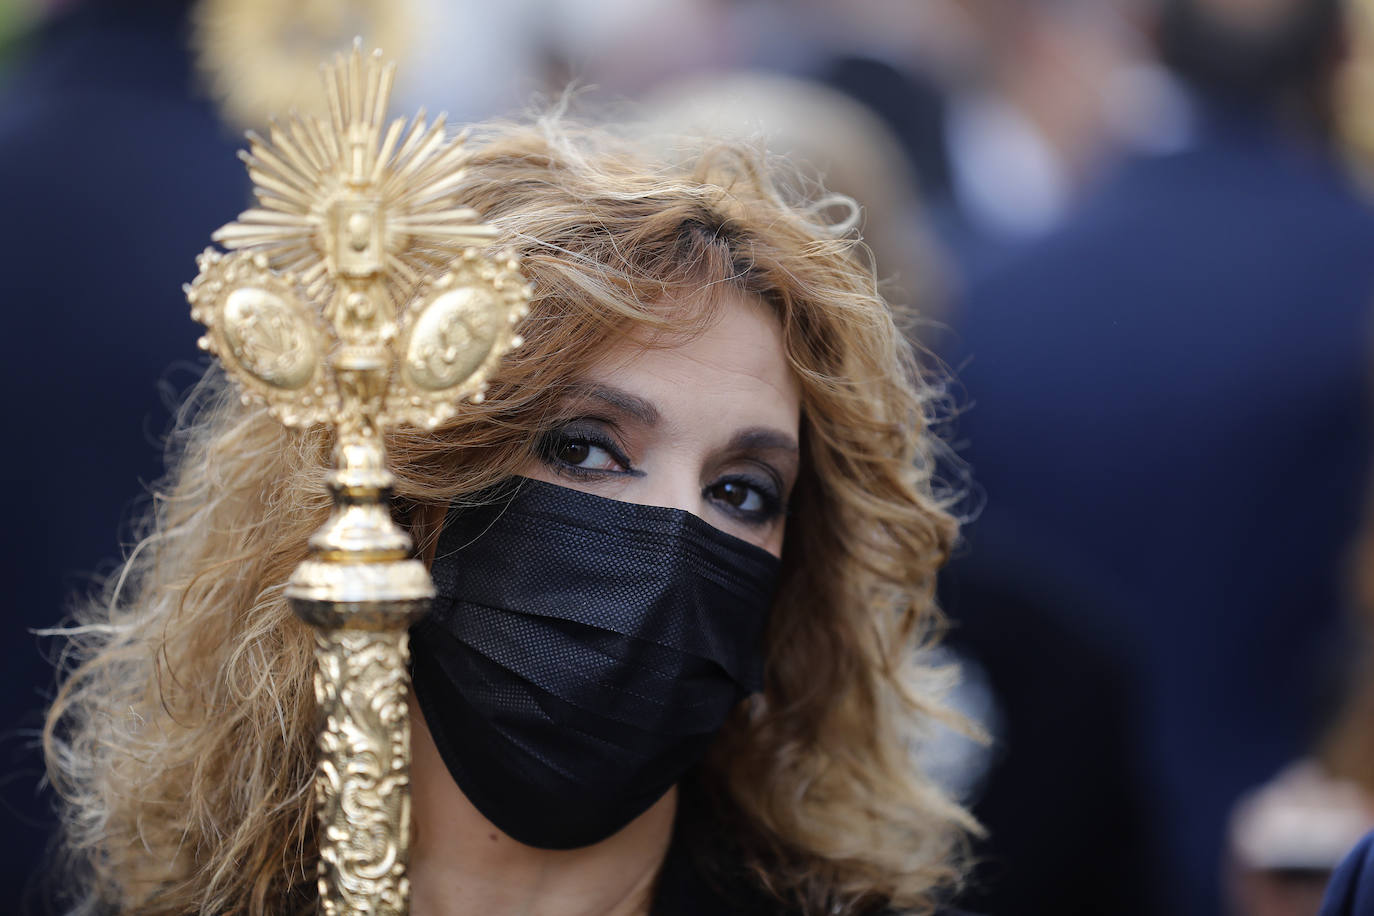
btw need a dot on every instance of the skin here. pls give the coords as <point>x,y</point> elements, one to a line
<point>709,425</point>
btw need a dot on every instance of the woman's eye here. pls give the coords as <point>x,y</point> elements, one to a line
<point>737,495</point>
<point>580,453</point>
<point>584,454</point>
<point>574,452</point>
<point>751,501</point>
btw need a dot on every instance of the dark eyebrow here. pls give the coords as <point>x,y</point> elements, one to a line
<point>633,405</point>
<point>762,439</point>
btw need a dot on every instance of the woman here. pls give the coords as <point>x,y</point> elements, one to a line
<point>712,388</point>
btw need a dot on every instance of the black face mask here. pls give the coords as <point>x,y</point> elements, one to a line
<point>582,654</point>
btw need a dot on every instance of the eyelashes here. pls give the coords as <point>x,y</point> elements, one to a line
<point>753,499</point>
<point>582,451</point>
<point>585,451</point>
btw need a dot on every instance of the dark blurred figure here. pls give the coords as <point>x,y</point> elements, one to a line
<point>1006,109</point>
<point>113,173</point>
<point>1170,392</point>
<point>1287,836</point>
<point>1068,825</point>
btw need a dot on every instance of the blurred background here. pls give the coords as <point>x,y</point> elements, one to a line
<point>1137,233</point>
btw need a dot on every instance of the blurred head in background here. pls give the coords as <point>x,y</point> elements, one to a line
<point>833,138</point>
<point>1276,54</point>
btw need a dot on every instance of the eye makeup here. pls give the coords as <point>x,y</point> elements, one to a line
<point>754,474</point>
<point>580,449</point>
<point>753,499</point>
<point>604,433</point>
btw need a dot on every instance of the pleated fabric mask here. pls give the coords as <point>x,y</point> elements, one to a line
<point>582,653</point>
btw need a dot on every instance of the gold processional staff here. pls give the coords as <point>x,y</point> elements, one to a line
<point>358,294</point>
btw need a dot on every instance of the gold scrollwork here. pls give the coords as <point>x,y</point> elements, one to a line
<point>363,772</point>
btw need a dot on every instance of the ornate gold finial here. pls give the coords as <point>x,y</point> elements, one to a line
<point>355,296</point>
<point>358,222</point>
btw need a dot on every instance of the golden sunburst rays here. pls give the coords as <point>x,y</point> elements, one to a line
<point>330,191</point>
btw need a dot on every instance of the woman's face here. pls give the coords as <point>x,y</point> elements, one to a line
<point>709,425</point>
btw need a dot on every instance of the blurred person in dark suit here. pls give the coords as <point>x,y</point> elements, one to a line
<point>113,172</point>
<point>839,141</point>
<point>1007,110</point>
<point>1173,385</point>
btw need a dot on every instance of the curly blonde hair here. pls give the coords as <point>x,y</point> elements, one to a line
<point>182,738</point>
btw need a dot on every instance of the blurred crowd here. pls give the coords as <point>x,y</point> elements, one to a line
<point>1137,235</point>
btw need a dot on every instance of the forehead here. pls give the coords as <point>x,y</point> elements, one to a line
<point>733,370</point>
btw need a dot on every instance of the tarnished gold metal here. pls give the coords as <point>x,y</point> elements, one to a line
<point>356,295</point>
